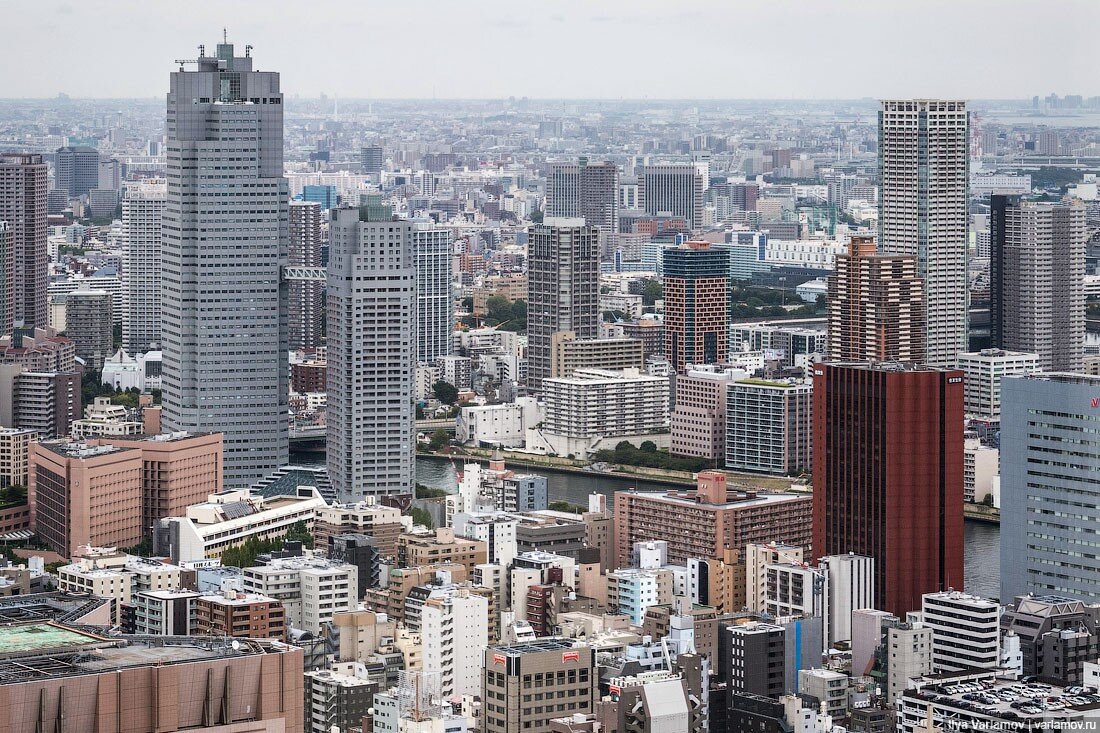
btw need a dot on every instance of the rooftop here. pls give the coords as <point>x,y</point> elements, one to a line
<point>741,500</point>
<point>82,450</point>
<point>985,694</point>
<point>35,651</point>
<point>533,647</point>
<point>36,638</point>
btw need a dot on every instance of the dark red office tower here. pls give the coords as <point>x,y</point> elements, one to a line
<point>888,475</point>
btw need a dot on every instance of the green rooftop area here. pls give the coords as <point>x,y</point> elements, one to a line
<point>39,638</point>
<point>765,383</point>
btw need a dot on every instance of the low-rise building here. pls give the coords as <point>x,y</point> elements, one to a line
<point>430,547</point>
<point>568,354</point>
<point>598,408</point>
<point>228,518</point>
<point>710,519</point>
<point>15,448</point>
<point>981,700</point>
<point>310,588</point>
<point>984,371</point>
<point>566,674</point>
<point>981,464</point>
<point>89,682</point>
<point>381,523</point>
<point>179,469</point>
<point>966,631</point>
<point>504,425</point>
<point>242,615</point>
<point>106,573</point>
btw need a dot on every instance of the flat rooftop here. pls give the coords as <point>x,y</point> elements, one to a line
<point>687,498</point>
<point>999,698</point>
<point>36,638</point>
<point>35,651</point>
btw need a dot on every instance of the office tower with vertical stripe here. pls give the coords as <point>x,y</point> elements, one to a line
<point>888,475</point>
<point>306,305</point>
<point>589,190</point>
<point>672,190</point>
<point>223,302</point>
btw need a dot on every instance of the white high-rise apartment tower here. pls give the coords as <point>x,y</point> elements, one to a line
<point>924,171</point>
<point>435,313</point>
<point>371,353</point>
<point>223,302</point>
<point>142,212</point>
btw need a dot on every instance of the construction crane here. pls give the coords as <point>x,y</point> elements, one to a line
<point>202,53</point>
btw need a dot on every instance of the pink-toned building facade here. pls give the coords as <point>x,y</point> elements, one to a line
<point>85,495</point>
<point>178,470</point>
<point>699,418</point>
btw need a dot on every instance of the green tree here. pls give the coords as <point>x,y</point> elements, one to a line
<point>564,506</point>
<point>14,495</point>
<point>652,291</point>
<point>445,392</point>
<point>536,216</point>
<point>648,446</point>
<point>439,439</point>
<point>421,517</point>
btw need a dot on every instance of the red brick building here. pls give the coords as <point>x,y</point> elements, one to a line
<point>706,522</point>
<point>888,475</point>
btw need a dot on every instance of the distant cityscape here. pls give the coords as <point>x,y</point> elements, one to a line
<point>546,416</point>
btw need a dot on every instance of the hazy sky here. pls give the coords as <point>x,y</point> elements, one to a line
<point>566,48</point>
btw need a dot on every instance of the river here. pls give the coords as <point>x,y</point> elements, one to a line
<point>981,541</point>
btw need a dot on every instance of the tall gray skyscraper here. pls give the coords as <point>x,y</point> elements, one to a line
<point>435,313</point>
<point>77,170</point>
<point>142,227</point>
<point>563,288</point>
<point>586,190</point>
<point>924,169</point>
<point>1037,289</point>
<point>371,353</point>
<point>673,190</point>
<point>306,310</point>
<point>1050,503</point>
<point>23,207</point>
<point>225,241</point>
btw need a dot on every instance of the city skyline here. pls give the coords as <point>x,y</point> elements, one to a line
<point>931,58</point>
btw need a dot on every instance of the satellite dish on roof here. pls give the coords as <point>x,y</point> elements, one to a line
<point>236,645</point>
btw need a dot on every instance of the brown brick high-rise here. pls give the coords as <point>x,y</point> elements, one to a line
<point>696,305</point>
<point>876,306</point>
<point>888,475</point>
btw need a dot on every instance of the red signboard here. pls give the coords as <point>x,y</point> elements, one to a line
<point>498,659</point>
<point>570,657</point>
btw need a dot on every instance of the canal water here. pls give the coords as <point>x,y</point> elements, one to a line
<point>981,541</point>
